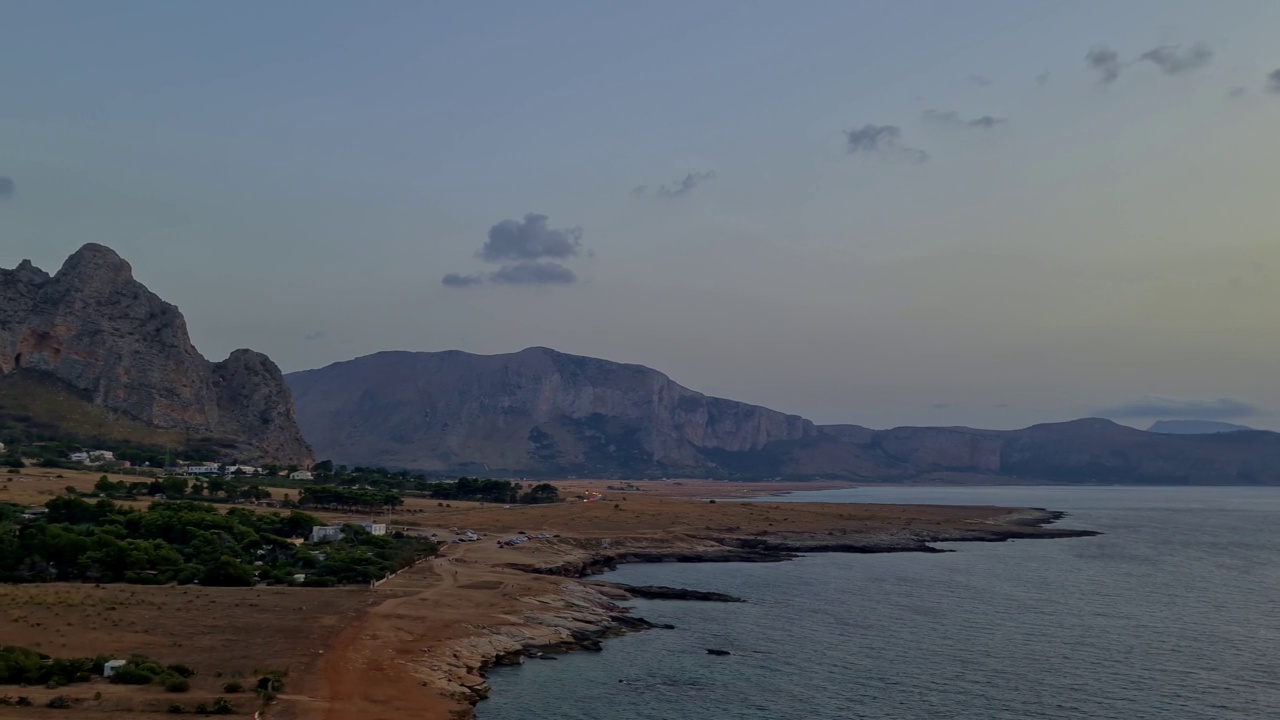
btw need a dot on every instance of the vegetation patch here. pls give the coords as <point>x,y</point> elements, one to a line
<point>190,542</point>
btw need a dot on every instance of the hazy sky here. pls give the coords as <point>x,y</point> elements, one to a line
<point>993,213</point>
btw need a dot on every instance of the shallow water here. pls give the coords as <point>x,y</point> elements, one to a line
<point>1171,614</point>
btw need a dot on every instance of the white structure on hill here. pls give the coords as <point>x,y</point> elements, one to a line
<point>374,528</point>
<point>301,475</point>
<point>326,533</point>
<point>110,667</point>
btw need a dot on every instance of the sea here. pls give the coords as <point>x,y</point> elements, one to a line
<point>1172,614</point>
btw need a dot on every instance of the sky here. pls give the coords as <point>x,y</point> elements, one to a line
<point>893,212</point>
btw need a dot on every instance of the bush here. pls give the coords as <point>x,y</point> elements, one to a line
<point>176,709</point>
<point>59,702</point>
<point>222,706</point>
<point>233,687</point>
<point>181,670</point>
<point>132,675</point>
<point>202,709</point>
<point>177,684</point>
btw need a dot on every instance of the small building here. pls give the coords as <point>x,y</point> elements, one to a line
<point>374,528</point>
<point>203,469</point>
<point>301,475</point>
<point>80,457</point>
<point>101,456</point>
<point>241,470</point>
<point>110,667</point>
<point>34,512</point>
<point>326,533</point>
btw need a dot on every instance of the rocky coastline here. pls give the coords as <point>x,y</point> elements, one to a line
<point>584,613</point>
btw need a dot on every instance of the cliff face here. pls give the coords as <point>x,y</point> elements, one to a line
<point>103,334</point>
<point>537,411</point>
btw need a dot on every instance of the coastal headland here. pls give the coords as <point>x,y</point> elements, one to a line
<point>420,644</point>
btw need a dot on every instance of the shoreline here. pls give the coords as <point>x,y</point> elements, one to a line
<point>585,612</point>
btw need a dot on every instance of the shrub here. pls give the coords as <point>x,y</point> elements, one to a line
<point>177,684</point>
<point>132,675</point>
<point>233,687</point>
<point>181,670</point>
<point>176,709</point>
<point>222,706</point>
<point>59,702</point>
<point>202,709</point>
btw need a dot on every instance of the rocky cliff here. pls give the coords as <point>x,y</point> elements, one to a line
<point>103,335</point>
<point>543,413</point>
<point>535,412</point>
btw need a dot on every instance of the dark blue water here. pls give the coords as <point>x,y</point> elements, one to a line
<point>1172,614</point>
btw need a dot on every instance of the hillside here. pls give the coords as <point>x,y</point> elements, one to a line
<point>92,352</point>
<point>539,412</point>
<point>535,412</point>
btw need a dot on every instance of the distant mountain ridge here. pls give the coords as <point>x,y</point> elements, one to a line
<point>93,333</point>
<point>542,413</point>
<point>1195,427</point>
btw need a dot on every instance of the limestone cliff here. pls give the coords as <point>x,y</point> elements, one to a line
<point>100,332</point>
<point>537,411</point>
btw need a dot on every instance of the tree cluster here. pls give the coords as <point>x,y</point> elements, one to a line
<point>189,542</point>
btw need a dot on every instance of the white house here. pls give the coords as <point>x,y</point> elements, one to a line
<point>301,475</point>
<point>80,457</point>
<point>374,528</point>
<point>241,469</point>
<point>100,456</point>
<point>325,533</point>
<point>203,469</point>
<point>110,667</point>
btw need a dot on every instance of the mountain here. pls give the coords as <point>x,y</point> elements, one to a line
<point>1194,427</point>
<point>539,412</point>
<point>94,338</point>
<point>535,412</point>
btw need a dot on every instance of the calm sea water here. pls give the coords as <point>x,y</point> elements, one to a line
<point>1173,614</point>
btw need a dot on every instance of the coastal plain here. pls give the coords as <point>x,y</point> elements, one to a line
<point>420,643</point>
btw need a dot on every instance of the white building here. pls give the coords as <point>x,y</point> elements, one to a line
<point>203,469</point>
<point>100,456</point>
<point>374,528</point>
<point>325,533</point>
<point>301,475</point>
<point>80,457</point>
<point>242,469</point>
<point>110,667</point>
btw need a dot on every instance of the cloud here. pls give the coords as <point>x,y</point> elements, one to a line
<point>7,188</point>
<point>1273,81</point>
<point>317,335</point>
<point>951,118</point>
<point>1237,91</point>
<point>530,239</point>
<point>1180,408</point>
<point>979,80</point>
<point>678,189</point>
<point>534,273</point>
<point>1043,78</point>
<point>457,281</point>
<point>1104,61</point>
<point>1172,60</point>
<point>883,141</point>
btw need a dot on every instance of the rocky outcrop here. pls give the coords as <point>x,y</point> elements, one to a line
<point>535,412</point>
<point>101,333</point>
<point>661,592</point>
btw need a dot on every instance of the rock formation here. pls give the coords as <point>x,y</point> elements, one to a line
<point>107,338</point>
<point>539,412</point>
